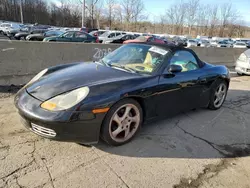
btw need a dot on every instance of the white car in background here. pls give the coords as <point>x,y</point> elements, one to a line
<point>204,43</point>
<point>240,45</point>
<point>109,34</point>
<point>4,27</point>
<point>192,42</point>
<point>213,43</point>
<point>243,63</point>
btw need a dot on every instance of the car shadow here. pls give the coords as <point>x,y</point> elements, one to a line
<point>200,133</point>
<point>12,89</point>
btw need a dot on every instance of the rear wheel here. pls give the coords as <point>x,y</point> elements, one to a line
<point>218,95</point>
<point>239,74</point>
<point>122,122</point>
<point>22,38</point>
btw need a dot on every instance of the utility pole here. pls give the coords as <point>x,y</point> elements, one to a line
<point>83,13</point>
<point>21,11</point>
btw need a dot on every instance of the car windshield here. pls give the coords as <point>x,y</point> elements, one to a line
<point>136,58</point>
<point>54,32</point>
<point>105,34</point>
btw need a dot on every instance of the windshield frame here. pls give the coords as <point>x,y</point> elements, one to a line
<point>119,66</point>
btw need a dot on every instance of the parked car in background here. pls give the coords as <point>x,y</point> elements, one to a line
<point>41,36</point>
<point>73,36</point>
<point>84,29</point>
<point>192,42</point>
<point>34,36</point>
<point>109,34</point>
<point>120,39</point>
<point>223,44</point>
<point>179,42</point>
<point>142,39</point>
<point>97,33</point>
<point>230,42</point>
<point>204,43</point>
<point>240,45</point>
<point>248,44</point>
<point>243,63</point>
<point>213,43</point>
<point>15,28</point>
<point>3,27</point>
<point>23,34</point>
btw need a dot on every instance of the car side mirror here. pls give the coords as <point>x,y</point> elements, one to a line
<point>174,68</point>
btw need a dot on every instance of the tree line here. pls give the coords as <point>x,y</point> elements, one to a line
<point>188,17</point>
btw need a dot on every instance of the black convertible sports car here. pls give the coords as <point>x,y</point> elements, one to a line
<point>81,102</point>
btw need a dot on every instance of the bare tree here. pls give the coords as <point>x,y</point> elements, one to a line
<point>90,5</point>
<point>138,9</point>
<point>213,18</point>
<point>191,13</point>
<point>227,13</point>
<point>110,9</point>
<point>176,13</point>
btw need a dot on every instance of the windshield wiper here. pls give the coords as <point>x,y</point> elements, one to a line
<point>124,68</point>
<point>103,62</point>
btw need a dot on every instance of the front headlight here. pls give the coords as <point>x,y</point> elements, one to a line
<point>66,100</point>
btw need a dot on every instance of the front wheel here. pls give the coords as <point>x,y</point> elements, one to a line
<point>122,122</point>
<point>218,95</point>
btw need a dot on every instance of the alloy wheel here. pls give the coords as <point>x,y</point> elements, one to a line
<point>220,95</point>
<point>124,123</point>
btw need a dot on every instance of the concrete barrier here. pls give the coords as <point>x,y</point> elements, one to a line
<point>20,61</point>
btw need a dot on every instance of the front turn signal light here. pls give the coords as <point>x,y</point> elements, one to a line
<point>48,105</point>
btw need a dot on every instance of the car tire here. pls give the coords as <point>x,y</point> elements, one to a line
<point>239,74</point>
<point>218,94</point>
<point>22,38</point>
<point>124,117</point>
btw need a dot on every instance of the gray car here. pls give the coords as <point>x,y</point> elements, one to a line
<point>108,35</point>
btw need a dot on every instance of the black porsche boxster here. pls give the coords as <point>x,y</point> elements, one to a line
<point>111,98</point>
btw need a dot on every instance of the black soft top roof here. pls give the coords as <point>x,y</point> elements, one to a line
<point>171,47</point>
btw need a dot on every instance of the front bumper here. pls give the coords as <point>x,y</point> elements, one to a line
<point>71,126</point>
<point>243,68</point>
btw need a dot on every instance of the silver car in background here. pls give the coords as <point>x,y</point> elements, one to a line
<point>240,45</point>
<point>192,42</point>
<point>243,63</point>
<point>109,34</point>
<point>205,43</point>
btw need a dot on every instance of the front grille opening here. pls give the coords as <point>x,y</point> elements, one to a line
<point>42,131</point>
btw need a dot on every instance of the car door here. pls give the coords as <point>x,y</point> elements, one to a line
<point>181,91</point>
<point>66,37</point>
<point>81,37</point>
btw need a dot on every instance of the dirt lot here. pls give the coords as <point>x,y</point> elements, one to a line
<point>200,148</point>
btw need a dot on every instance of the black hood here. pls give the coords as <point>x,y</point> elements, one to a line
<point>61,79</point>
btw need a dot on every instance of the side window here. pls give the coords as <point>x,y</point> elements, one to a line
<point>185,59</point>
<point>81,35</point>
<point>68,35</point>
<point>111,35</point>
